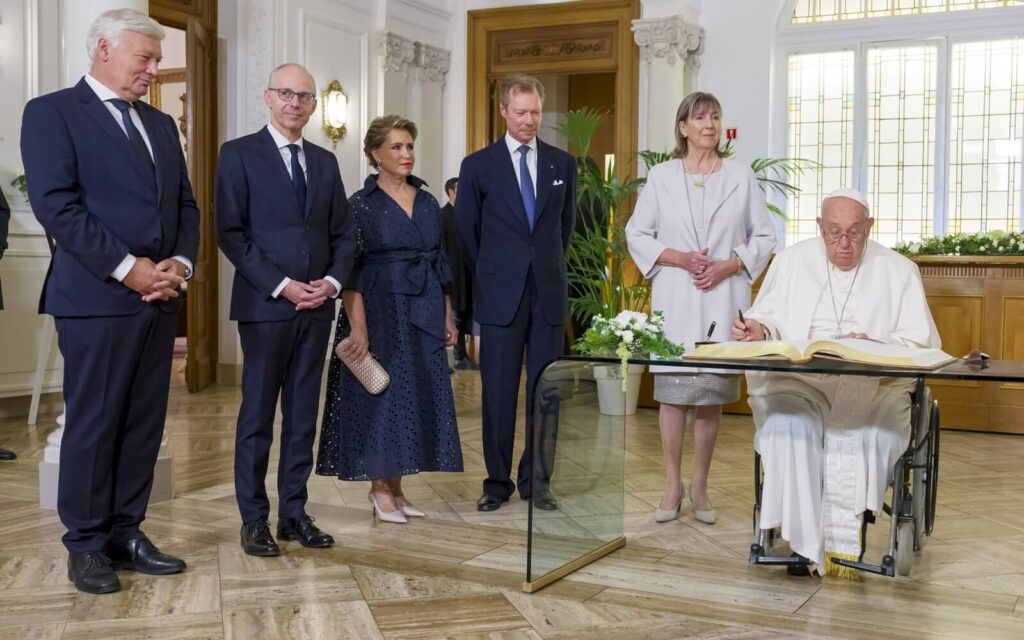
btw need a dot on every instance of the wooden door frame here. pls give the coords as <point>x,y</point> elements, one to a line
<point>577,32</point>
<point>178,14</point>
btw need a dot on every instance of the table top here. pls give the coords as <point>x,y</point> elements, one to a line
<point>991,371</point>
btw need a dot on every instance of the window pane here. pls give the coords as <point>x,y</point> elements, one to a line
<point>901,142</point>
<point>828,10</point>
<point>985,137</point>
<point>820,129</point>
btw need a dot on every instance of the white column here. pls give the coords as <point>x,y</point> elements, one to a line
<point>670,51</point>
<point>396,58</point>
<point>432,66</point>
<point>76,16</point>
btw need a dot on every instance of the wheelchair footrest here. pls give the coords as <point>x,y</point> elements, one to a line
<point>887,568</point>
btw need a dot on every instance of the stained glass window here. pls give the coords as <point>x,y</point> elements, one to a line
<point>986,131</point>
<point>821,129</point>
<point>830,10</point>
<point>901,142</point>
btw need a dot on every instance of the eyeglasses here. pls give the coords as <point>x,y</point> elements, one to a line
<point>286,95</point>
<point>834,235</point>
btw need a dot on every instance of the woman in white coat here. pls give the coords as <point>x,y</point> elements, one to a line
<point>702,233</point>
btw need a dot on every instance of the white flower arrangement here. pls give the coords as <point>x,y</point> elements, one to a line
<point>625,335</point>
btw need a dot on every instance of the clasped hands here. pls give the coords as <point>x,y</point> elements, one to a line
<point>707,274</point>
<point>155,282</point>
<point>308,295</point>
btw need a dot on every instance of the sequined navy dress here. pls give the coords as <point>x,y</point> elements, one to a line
<point>402,272</point>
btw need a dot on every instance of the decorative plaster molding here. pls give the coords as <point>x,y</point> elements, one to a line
<point>396,53</point>
<point>432,63</point>
<point>669,38</point>
<point>259,40</point>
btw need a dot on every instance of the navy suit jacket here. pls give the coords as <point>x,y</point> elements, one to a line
<point>5,219</point>
<point>99,203</point>
<point>264,234</point>
<point>496,238</point>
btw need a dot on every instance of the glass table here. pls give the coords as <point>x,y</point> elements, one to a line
<point>580,452</point>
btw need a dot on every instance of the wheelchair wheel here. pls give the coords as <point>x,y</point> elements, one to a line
<point>933,471</point>
<point>905,548</point>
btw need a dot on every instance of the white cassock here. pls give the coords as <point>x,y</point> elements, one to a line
<point>828,444</point>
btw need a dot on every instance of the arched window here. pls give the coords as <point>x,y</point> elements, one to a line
<point>919,103</point>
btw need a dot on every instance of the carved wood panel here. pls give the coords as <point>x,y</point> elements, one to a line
<point>524,49</point>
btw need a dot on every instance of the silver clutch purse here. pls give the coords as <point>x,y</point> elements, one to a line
<point>368,371</point>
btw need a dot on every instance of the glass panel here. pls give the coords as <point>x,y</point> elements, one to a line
<point>901,142</point>
<point>820,129</point>
<point>986,131</point>
<point>585,471</point>
<point>829,10</point>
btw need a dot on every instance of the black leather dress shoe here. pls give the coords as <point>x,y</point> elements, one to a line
<point>7,454</point>
<point>140,554</point>
<point>304,531</point>
<point>489,502</point>
<point>91,572</point>
<point>799,570</point>
<point>544,500</point>
<point>256,539</point>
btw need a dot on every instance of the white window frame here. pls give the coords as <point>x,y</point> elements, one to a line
<point>941,29</point>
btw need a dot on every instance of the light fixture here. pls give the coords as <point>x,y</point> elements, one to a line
<point>335,106</point>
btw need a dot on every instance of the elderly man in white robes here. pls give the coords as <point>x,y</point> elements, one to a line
<point>829,443</point>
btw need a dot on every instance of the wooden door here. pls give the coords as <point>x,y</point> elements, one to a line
<point>201,111</point>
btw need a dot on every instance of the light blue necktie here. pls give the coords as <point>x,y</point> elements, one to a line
<point>526,186</point>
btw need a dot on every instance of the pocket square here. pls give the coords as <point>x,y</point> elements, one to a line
<point>557,183</point>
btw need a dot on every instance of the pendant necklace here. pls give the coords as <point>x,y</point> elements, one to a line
<point>700,185</point>
<point>839,314</point>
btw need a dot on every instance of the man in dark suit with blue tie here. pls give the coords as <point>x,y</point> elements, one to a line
<point>284,222</point>
<point>107,180</point>
<point>515,214</point>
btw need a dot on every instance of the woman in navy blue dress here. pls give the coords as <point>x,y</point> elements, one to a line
<point>395,305</point>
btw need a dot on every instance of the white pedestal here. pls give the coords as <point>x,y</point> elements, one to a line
<point>49,471</point>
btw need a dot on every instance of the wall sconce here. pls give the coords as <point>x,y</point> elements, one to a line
<point>335,106</point>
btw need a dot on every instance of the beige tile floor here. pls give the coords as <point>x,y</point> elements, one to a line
<point>458,573</point>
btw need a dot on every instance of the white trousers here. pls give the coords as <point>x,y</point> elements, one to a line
<point>828,447</point>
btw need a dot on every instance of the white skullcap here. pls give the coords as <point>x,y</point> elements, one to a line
<point>852,194</point>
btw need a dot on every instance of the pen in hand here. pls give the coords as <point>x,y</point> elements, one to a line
<point>746,332</point>
<point>711,330</point>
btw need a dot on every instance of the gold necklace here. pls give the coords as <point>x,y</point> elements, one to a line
<point>703,177</point>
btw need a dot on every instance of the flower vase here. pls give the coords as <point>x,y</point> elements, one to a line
<point>611,399</point>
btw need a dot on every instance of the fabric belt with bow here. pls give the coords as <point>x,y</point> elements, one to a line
<point>409,269</point>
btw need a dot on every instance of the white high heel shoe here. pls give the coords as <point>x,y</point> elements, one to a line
<point>386,516</point>
<point>668,515</point>
<point>707,517</point>
<point>408,509</point>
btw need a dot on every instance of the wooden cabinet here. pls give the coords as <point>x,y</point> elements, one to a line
<point>978,303</point>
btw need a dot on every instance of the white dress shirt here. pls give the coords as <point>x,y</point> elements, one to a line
<point>286,156</point>
<point>105,94</point>
<point>531,159</point>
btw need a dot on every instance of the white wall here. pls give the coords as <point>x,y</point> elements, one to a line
<point>25,29</point>
<point>737,67</point>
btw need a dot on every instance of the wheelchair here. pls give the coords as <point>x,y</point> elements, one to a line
<point>914,486</point>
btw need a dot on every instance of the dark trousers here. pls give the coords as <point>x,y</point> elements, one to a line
<point>117,373</point>
<point>283,359</point>
<point>501,363</point>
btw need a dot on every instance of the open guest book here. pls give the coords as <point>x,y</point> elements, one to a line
<point>853,349</point>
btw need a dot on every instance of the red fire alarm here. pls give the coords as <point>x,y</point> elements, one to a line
<point>730,134</point>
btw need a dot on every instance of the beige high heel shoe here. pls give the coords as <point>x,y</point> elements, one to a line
<point>708,516</point>
<point>386,516</point>
<point>407,508</point>
<point>668,515</point>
